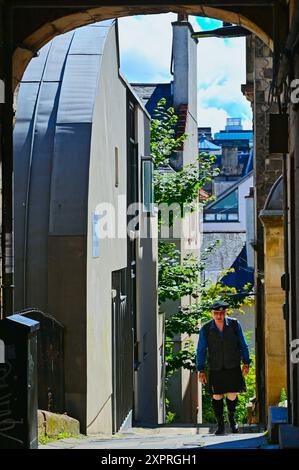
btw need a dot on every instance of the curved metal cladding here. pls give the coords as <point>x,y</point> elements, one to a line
<point>51,159</point>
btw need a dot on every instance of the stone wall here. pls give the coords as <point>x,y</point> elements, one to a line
<point>267,168</point>
<point>293,245</point>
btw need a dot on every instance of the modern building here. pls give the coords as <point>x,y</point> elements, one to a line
<point>80,139</point>
<point>233,149</point>
<point>234,135</point>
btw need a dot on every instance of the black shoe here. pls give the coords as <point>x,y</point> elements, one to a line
<point>220,429</point>
<point>233,424</point>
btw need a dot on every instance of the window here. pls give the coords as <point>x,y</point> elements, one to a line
<point>147,184</point>
<point>227,203</point>
<point>210,217</point>
<point>221,217</point>
<point>224,210</point>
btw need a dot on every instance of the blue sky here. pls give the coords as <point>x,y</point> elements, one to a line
<point>208,23</point>
<point>145,46</point>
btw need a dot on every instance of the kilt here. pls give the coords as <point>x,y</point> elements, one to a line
<point>226,380</point>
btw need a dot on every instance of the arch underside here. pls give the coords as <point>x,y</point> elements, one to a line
<point>48,23</point>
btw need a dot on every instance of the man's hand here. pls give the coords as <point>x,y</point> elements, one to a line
<point>245,369</point>
<point>203,378</point>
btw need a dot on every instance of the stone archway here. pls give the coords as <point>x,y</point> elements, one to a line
<point>32,43</point>
<point>39,37</point>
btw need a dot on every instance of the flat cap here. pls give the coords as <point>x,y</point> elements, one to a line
<point>219,306</point>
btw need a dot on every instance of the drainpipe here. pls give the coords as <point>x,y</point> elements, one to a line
<point>286,278</point>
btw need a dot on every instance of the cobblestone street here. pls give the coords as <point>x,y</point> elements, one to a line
<point>168,438</point>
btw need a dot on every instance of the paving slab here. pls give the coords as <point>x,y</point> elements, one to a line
<point>165,437</point>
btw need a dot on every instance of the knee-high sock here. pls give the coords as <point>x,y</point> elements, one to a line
<point>231,405</point>
<point>218,409</point>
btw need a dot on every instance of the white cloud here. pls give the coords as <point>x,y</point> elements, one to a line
<point>247,124</point>
<point>218,58</point>
<point>145,43</point>
<point>212,117</point>
<point>149,37</point>
<point>221,71</point>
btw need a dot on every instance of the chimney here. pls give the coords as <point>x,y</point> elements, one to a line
<point>184,65</point>
<point>182,17</point>
<point>230,163</point>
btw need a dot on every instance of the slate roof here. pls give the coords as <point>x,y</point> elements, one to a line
<point>242,273</point>
<point>150,94</point>
<point>206,145</point>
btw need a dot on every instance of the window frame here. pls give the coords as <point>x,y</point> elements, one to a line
<point>149,208</point>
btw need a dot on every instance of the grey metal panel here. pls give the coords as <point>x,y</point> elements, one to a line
<point>39,196</point>
<point>69,189</point>
<point>79,89</point>
<point>35,69</point>
<point>57,56</point>
<point>89,40</point>
<point>28,93</point>
<point>53,142</point>
<point>67,298</point>
<point>22,151</point>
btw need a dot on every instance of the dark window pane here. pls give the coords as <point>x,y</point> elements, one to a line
<point>147,178</point>
<point>229,202</point>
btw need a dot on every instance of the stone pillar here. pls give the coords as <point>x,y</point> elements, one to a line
<point>275,349</point>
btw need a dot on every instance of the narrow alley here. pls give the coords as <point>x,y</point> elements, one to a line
<point>149,225</point>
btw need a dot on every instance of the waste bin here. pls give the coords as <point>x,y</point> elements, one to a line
<point>18,383</point>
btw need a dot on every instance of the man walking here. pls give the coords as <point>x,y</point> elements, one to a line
<point>223,339</point>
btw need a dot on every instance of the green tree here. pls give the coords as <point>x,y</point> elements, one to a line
<point>179,277</point>
<point>164,143</point>
<point>181,186</point>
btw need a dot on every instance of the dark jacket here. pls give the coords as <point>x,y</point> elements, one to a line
<point>225,349</point>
